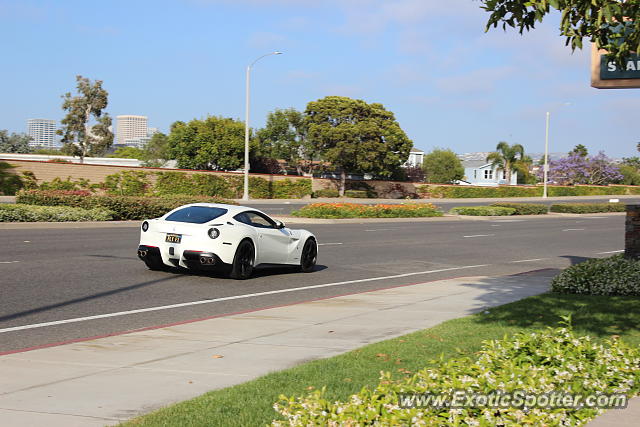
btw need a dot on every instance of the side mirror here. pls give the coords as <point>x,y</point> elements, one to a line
<point>280,225</point>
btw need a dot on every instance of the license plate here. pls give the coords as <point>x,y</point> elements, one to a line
<point>173,238</point>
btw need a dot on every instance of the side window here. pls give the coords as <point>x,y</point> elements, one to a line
<point>255,219</point>
<point>243,218</point>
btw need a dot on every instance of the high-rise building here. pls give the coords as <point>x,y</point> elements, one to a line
<point>42,132</point>
<point>130,128</point>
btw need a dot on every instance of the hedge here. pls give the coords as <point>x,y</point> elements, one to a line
<point>354,210</point>
<point>581,208</point>
<point>524,208</point>
<point>463,191</point>
<point>326,192</point>
<point>123,207</point>
<point>31,213</point>
<point>614,275</point>
<point>552,362</point>
<point>357,194</point>
<point>483,211</point>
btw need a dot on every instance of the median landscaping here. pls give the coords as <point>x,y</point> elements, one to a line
<point>456,354</point>
<point>31,213</point>
<point>353,210</point>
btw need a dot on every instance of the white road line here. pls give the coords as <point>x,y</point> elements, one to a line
<point>480,235</point>
<point>496,225</point>
<point>235,297</point>
<point>383,229</point>
<point>8,262</point>
<point>329,244</point>
<point>529,260</point>
<point>573,229</point>
<point>610,252</point>
<point>510,220</point>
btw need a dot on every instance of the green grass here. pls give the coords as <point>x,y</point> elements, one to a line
<point>250,404</point>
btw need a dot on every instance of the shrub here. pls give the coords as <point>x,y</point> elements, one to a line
<point>9,181</point>
<point>68,184</point>
<point>127,183</point>
<point>58,160</point>
<point>353,210</point>
<point>123,207</point>
<point>483,210</point>
<point>580,208</point>
<point>200,184</point>
<point>463,191</point>
<point>549,361</point>
<point>615,275</point>
<point>326,192</point>
<point>31,213</point>
<point>291,189</point>
<point>525,208</point>
<point>356,194</point>
<point>586,190</point>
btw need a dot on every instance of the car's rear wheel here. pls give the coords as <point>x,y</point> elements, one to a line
<point>242,267</point>
<point>309,255</point>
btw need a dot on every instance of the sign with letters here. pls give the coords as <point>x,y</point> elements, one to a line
<point>606,74</point>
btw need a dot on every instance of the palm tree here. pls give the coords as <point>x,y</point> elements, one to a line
<point>505,157</point>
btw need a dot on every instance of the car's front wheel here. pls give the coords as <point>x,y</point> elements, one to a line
<point>309,255</point>
<point>242,267</point>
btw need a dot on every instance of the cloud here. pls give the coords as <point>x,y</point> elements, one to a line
<point>475,81</point>
<point>267,40</point>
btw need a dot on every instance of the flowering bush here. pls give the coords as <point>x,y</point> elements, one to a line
<point>578,169</point>
<point>549,361</point>
<point>615,275</point>
<point>354,210</point>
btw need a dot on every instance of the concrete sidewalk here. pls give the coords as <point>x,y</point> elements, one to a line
<point>107,380</point>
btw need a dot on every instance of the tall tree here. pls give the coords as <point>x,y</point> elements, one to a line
<point>80,138</point>
<point>215,143</point>
<point>580,150</point>
<point>355,136</point>
<point>505,157</point>
<point>14,143</point>
<point>156,153</point>
<point>285,137</point>
<point>575,169</point>
<point>523,167</point>
<point>442,167</point>
<point>597,20</point>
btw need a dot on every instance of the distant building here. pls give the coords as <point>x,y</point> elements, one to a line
<point>131,128</point>
<point>416,158</point>
<point>42,133</point>
<point>479,172</point>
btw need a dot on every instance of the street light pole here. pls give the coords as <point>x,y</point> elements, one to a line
<point>245,194</point>
<point>546,157</point>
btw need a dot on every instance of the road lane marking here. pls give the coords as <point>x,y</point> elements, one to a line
<point>8,262</point>
<point>510,220</point>
<point>610,252</point>
<point>235,297</point>
<point>329,244</point>
<point>383,229</point>
<point>480,235</point>
<point>530,260</point>
<point>573,229</point>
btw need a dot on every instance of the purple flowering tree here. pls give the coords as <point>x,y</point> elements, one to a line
<point>577,169</point>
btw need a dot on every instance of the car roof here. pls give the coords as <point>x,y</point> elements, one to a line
<point>231,209</point>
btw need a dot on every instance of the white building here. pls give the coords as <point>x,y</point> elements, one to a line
<point>42,132</point>
<point>416,158</point>
<point>129,127</point>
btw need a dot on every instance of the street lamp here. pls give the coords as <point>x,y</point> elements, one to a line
<point>245,195</point>
<point>545,172</point>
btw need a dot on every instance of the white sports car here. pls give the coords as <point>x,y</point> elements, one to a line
<point>228,238</point>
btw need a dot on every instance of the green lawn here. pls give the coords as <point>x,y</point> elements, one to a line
<point>250,404</point>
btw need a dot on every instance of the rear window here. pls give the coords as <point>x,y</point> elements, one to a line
<point>196,214</point>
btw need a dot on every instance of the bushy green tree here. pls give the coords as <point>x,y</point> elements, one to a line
<point>580,150</point>
<point>79,137</point>
<point>630,171</point>
<point>14,143</point>
<point>442,167</point>
<point>355,136</point>
<point>215,143</point>
<point>505,157</point>
<point>523,167</point>
<point>157,152</point>
<point>596,20</point>
<point>128,153</point>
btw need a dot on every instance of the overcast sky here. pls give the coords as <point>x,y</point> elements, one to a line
<point>448,82</point>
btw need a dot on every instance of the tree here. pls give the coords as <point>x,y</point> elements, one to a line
<point>79,137</point>
<point>442,167</point>
<point>128,153</point>
<point>157,151</point>
<point>597,20</point>
<point>14,143</point>
<point>630,171</point>
<point>215,143</point>
<point>355,136</point>
<point>285,137</point>
<point>580,150</point>
<point>575,169</point>
<point>505,157</point>
<point>523,167</point>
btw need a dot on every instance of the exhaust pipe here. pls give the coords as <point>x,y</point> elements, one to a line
<point>142,254</point>
<point>206,260</point>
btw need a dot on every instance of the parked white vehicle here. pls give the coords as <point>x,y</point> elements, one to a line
<point>228,238</point>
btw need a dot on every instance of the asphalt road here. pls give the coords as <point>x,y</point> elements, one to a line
<point>275,207</point>
<point>52,275</point>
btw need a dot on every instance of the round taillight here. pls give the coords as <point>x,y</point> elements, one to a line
<point>213,233</point>
<point>145,226</point>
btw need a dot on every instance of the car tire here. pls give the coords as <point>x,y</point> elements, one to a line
<point>309,255</point>
<point>242,266</point>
